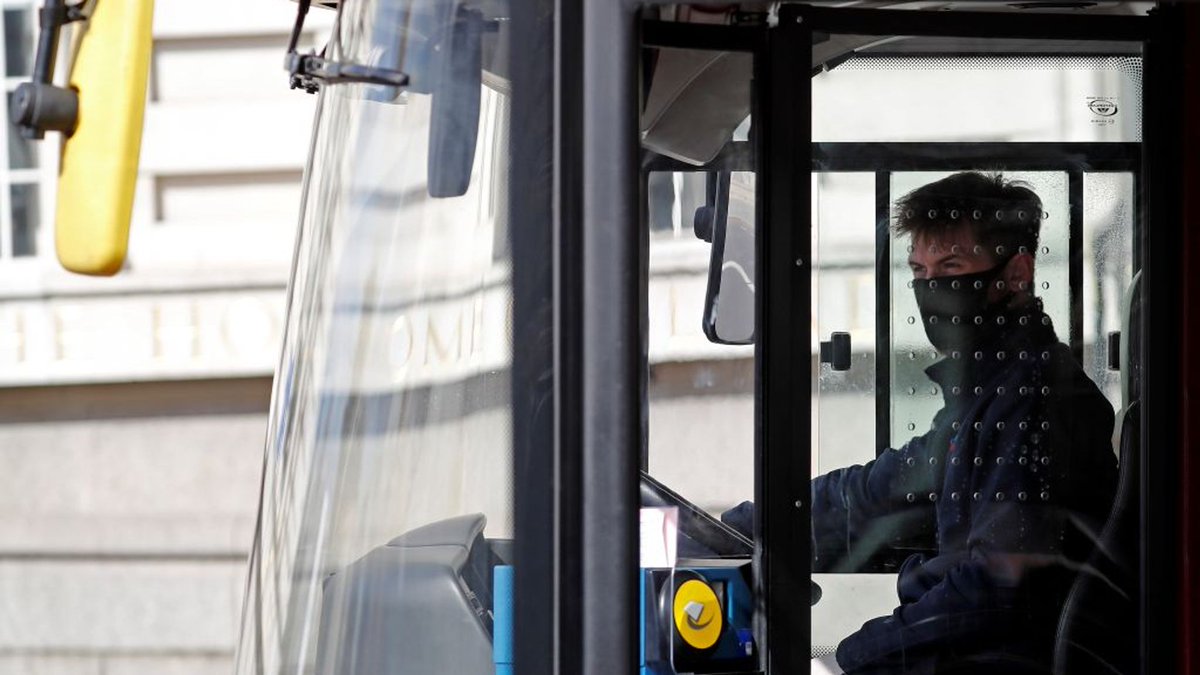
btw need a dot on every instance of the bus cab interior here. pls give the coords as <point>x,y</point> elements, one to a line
<point>495,395</point>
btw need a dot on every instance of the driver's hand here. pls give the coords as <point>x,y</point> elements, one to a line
<point>741,518</point>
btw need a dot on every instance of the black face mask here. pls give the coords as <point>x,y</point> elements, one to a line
<point>955,309</point>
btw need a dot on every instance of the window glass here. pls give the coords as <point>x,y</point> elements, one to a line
<point>1108,212</point>
<point>386,526</point>
<point>21,151</point>
<point>18,42</point>
<point>978,98</point>
<point>844,302</point>
<point>26,219</point>
<point>701,394</point>
<point>992,515</point>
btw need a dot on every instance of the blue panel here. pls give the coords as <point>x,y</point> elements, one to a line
<point>502,619</point>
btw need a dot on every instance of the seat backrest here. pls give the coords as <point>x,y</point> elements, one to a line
<point>1131,343</point>
<point>1098,627</point>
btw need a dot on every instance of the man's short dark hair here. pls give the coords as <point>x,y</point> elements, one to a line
<point>1004,215</point>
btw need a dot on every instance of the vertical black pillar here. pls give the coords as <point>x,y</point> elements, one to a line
<point>611,411</point>
<point>883,311</point>
<point>783,354</point>
<point>1161,237</point>
<point>1075,261</point>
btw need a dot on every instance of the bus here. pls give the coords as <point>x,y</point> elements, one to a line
<point>590,300</point>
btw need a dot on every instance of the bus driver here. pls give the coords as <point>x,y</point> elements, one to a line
<point>1015,474</point>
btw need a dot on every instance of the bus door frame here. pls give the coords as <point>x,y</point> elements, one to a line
<point>1159,206</point>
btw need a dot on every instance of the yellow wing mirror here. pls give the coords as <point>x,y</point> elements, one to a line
<point>100,115</point>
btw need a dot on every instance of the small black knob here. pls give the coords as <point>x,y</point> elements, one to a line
<point>836,352</point>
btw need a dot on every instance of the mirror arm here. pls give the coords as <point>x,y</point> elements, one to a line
<point>310,71</point>
<point>39,106</point>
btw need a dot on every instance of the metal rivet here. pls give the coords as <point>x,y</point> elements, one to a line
<point>978,390</point>
<point>1000,321</point>
<point>978,284</point>
<point>954,496</point>
<point>1001,390</point>
<point>933,320</point>
<point>1022,496</point>
<point>954,461</point>
<point>956,390</point>
<point>910,461</point>
<point>1045,285</point>
<point>1001,355</point>
<point>1023,355</point>
<point>933,461</point>
<point>799,262</point>
<point>999,461</point>
<point>910,497</point>
<point>955,354</point>
<point>1023,461</point>
<point>1045,321</point>
<point>1045,391</point>
<point>933,283</point>
<point>1023,426</point>
<point>1024,321</point>
<point>1045,496</point>
<point>978,356</point>
<point>979,426</point>
<point>955,319</point>
<point>798,503</point>
<point>977,214</point>
<point>999,496</point>
<point>1045,249</point>
<point>931,214</point>
<point>954,215</point>
<point>1045,460</point>
<point>978,320</point>
<point>955,284</point>
<point>1045,426</point>
<point>912,320</point>
<point>912,427</point>
<point>955,426</point>
<point>976,496</point>
<point>1000,426</point>
<point>978,461</point>
<point>933,496</point>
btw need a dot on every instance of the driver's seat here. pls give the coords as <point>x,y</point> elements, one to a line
<point>1098,628</point>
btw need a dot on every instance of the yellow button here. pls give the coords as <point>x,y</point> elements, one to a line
<point>697,614</point>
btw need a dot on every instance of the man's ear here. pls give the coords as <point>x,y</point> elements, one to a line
<point>1018,273</point>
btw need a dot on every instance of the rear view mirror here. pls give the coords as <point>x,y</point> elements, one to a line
<point>454,124</point>
<point>439,47</point>
<point>729,300</point>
